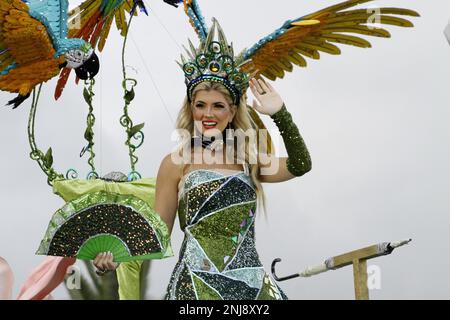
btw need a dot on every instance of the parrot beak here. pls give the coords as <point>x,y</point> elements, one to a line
<point>89,69</point>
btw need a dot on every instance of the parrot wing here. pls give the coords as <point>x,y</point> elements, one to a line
<point>309,35</point>
<point>26,49</point>
<point>52,14</point>
<point>92,21</point>
<point>196,18</point>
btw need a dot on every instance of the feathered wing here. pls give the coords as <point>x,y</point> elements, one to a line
<point>26,50</point>
<point>319,32</point>
<point>51,13</point>
<point>196,19</point>
<point>92,21</point>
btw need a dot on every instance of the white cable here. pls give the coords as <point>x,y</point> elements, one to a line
<point>151,78</point>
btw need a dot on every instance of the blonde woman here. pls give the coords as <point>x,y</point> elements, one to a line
<point>217,202</point>
<point>213,181</point>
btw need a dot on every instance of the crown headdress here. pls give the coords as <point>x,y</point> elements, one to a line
<point>214,61</point>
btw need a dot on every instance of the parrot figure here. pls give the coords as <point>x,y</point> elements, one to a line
<point>34,46</point>
<point>92,21</point>
<point>309,36</point>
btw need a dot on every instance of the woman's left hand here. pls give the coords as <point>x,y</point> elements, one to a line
<point>268,101</point>
<point>104,262</point>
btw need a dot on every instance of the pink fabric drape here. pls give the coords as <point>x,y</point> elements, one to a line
<point>45,278</point>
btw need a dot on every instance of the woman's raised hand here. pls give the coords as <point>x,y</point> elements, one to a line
<point>268,101</point>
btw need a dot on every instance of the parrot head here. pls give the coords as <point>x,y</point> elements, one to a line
<point>84,61</point>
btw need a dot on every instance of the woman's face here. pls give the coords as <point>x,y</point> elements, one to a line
<point>211,112</point>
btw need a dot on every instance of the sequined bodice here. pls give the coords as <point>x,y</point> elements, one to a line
<point>205,194</point>
<point>218,258</point>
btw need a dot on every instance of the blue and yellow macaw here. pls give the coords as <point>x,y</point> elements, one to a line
<point>92,21</point>
<point>34,46</point>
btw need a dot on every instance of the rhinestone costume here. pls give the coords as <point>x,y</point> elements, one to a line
<point>218,258</point>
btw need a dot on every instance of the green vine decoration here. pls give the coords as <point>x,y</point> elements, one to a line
<point>132,131</point>
<point>45,161</point>
<point>89,94</point>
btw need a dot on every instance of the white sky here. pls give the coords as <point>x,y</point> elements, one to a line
<point>375,121</point>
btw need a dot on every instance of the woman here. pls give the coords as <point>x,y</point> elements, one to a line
<point>214,182</point>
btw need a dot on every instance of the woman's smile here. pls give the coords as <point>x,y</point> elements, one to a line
<point>208,125</point>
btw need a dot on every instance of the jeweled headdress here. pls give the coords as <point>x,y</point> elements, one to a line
<point>214,61</point>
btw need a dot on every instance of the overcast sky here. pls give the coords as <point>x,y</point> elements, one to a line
<point>375,121</point>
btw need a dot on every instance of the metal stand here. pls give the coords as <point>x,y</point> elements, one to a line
<point>357,258</point>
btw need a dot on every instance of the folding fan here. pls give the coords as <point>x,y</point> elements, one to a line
<point>101,216</point>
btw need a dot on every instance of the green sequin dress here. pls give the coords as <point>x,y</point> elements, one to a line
<point>218,258</point>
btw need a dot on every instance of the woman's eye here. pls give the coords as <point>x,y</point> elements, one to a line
<point>199,106</point>
<point>219,106</point>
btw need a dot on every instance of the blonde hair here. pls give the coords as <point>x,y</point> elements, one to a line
<point>241,121</point>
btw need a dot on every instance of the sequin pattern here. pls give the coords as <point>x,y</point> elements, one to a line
<point>126,217</point>
<point>120,221</point>
<point>299,160</point>
<point>218,258</point>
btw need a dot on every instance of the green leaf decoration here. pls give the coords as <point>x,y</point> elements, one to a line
<point>129,95</point>
<point>136,129</point>
<point>87,96</point>
<point>48,158</point>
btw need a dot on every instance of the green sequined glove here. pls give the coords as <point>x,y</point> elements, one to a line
<point>299,160</point>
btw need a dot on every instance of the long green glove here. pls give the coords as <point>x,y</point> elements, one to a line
<point>299,160</point>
